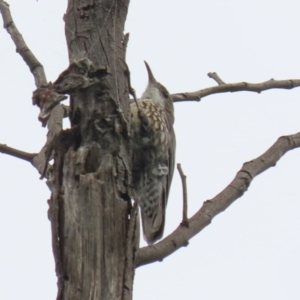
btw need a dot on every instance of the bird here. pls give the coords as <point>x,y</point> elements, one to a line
<point>153,149</point>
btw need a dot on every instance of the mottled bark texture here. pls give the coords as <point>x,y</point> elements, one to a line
<point>90,203</point>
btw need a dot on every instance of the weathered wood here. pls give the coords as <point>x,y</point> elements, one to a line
<point>90,203</point>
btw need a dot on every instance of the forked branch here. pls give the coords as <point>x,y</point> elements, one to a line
<point>36,68</point>
<point>235,87</point>
<point>219,203</point>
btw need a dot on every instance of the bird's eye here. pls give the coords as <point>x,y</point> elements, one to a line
<point>165,93</point>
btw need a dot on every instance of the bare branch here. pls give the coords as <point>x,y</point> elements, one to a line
<point>55,121</point>
<point>215,76</point>
<point>185,221</point>
<point>17,153</point>
<point>54,127</point>
<point>38,160</point>
<point>237,87</point>
<point>219,203</point>
<point>45,98</point>
<point>34,65</point>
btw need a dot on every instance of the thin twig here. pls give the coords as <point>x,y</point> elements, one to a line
<point>215,76</point>
<point>185,220</point>
<point>237,87</point>
<point>34,65</point>
<point>17,153</point>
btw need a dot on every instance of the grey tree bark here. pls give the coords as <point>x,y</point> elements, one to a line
<point>95,229</point>
<point>90,203</point>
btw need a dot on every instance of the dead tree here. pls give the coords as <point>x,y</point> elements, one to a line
<point>94,226</point>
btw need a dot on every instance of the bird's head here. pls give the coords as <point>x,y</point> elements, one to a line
<point>154,90</point>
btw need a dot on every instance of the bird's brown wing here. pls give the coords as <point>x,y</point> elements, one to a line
<point>152,188</point>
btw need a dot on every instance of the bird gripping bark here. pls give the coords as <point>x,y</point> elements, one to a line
<point>153,155</point>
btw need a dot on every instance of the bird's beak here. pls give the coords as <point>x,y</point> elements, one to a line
<point>150,75</point>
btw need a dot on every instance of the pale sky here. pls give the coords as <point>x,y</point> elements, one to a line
<point>251,251</point>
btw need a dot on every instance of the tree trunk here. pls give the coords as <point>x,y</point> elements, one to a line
<point>90,204</point>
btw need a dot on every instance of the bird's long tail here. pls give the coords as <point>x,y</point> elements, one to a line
<point>153,205</point>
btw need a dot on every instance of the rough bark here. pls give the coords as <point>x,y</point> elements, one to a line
<point>94,228</point>
<point>90,202</point>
